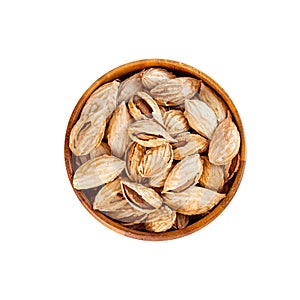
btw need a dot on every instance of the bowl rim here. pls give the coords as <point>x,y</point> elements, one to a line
<point>126,70</point>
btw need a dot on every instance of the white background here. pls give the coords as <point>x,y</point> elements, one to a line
<point>51,51</point>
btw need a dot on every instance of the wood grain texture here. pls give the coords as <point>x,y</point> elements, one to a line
<point>180,69</point>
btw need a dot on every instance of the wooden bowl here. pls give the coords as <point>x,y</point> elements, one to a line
<point>179,69</point>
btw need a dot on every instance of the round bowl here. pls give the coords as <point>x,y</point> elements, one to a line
<point>179,69</point>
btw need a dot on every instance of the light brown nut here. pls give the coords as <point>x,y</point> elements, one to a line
<point>155,76</point>
<point>188,144</point>
<point>156,164</point>
<point>200,117</point>
<point>175,91</point>
<point>129,87</point>
<point>175,122</point>
<point>208,96</point>
<point>212,176</point>
<point>149,133</point>
<point>87,133</point>
<point>160,220</point>
<point>185,174</point>
<point>142,106</point>
<point>117,137</point>
<point>225,143</point>
<point>98,171</point>
<point>133,156</point>
<point>104,100</point>
<point>181,221</point>
<point>140,197</point>
<point>193,201</point>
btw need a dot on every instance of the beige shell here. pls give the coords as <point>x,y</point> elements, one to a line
<point>185,174</point>
<point>175,91</point>
<point>117,137</point>
<point>181,221</point>
<point>142,106</point>
<point>200,117</point>
<point>103,99</point>
<point>133,156</point>
<point>111,202</point>
<point>101,149</point>
<point>110,197</point>
<point>87,133</point>
<point>127,215</point>
<point>208,96</point>
<point>193,201</point>
<point>98,171</point>
<point>89,130</point>
<point>232,167</point>
<point>149,133</point>
<point>188,144</point>
<point>140,197</point>
<point>156,164</point>
<point>155,76</point>
<point>175,122</point>
<point>212,176</point>
<point>160,220</point>
<point>134,110</point>
<point>225,143</point>
<point>129,87</point>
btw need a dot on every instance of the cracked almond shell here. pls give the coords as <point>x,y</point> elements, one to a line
<point>87,134</point>
<point>208,96</point>
<point>184,174</point>
<point>133,156</point>
<point>232,167</point>
<point>188,144</point>
<point>101,149</point>
<point>160,220</point>
<point>149,133</point>
<point>175,122</point>
<point>175,91</point>
<point>110,197</point>
<point>142,106</point>
<point>140,197</point>
<point>117,130</point>
<point>200,117</point>
<point>193,201</point>
<point>155,164</point>
<point>155,76</point>
<point>129,87</point>
<point>98,171</point>
<point>181,221</point>
<point>127,215</point>
<point>225,143</point>
<point>212,176</point>
<point>103,99</point>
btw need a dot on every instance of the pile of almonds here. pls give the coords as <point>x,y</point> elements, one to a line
<point>154,150</point>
